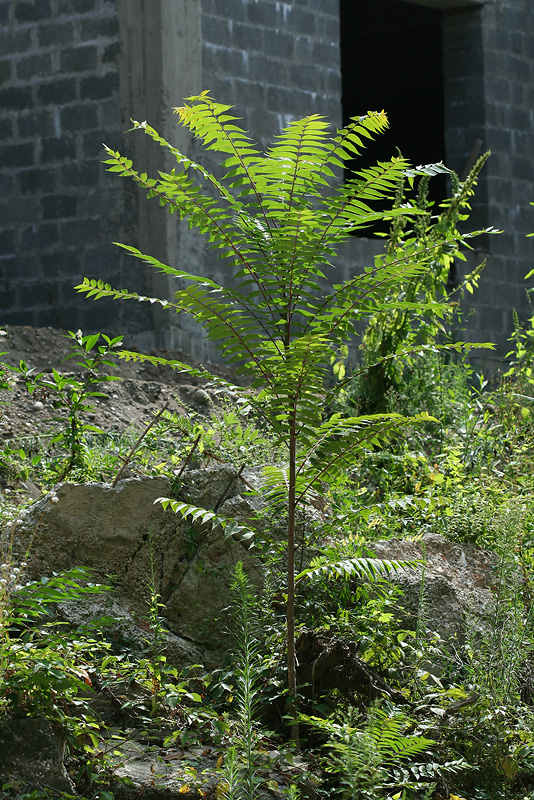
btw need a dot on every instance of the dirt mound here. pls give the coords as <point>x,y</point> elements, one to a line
<point>132,401</point>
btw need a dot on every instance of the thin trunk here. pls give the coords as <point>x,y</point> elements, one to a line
<point>290,614</point>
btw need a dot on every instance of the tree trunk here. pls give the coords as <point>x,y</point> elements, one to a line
<point>290,612</point>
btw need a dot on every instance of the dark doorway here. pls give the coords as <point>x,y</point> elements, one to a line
<point>391,59</point>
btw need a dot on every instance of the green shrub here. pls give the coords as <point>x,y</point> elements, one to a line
<point>276,219</point>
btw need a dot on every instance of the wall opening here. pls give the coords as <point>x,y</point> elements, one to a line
<point>392,59</point>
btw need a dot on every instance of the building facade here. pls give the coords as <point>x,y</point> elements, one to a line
<point>456,77</point>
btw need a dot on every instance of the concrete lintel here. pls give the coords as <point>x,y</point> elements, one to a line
<point>447,5</point>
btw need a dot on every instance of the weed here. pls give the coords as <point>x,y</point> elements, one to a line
<point>73,395</point>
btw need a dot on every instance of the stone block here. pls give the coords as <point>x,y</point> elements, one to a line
<point>80,174</point>
<point>13,156</point>
<point>99,28</point>
<point>78,59</point>
<point>14,210</point>
<point>225,60</point>
<point>54,150</point>
<point>34,66</point>
<point>35,123</point>
<point>80,230</point>
<point>35,181</point>
<point>81,7</point>
<point>111,53</point>
<point>55,34</point>
<point>99,87</point>
<point>305,77</point>
<point>278,44</point>
<point>229,9</point>
<point>299,20</point>
<point>269,70</point>
<point>281,99</point>
<point>110,114</point>
<point>5,71</point>
<point>15,42</point>
<point>7,185</point>
<point>261,14</point>
<point>15,98</point>
<point>7,242</point>
<point>216,30</point>
<point>57,92</point>
<point>520,119</point>
<point>32,10</point>
<point>249,93</point>
<point>248,37</point>
<point>83,116</point>
<point>303,48</point>
<point>39,237</point>
<point>7,128</point>
<point>60,263</point>
<point>92,146</point>
<point>327,54</point>
<point>58,206</point>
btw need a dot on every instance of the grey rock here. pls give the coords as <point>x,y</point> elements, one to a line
<point>455,584</point>
<point>201,397</point>
<point>210,487</point>
<point>121,531</point>
<point>118,623</point>
<point>33,491</point>
<point>32,752</point>
<point>160,775</point>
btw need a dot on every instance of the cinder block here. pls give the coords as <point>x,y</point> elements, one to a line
<point>82,116</point>
<point>37,181</point>
<point>15,98</point>
<point>39,237</point>
<point>99,28</point>
<point>99,88</point>
<point>32,10</point>
<point>56,34</point>
<point>78,59</point>
<point>57,92</point>
<point>13,156</point>
<point>58,206</point>
<point>56,150</point>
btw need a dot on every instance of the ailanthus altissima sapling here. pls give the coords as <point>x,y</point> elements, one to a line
<point>277,219</point>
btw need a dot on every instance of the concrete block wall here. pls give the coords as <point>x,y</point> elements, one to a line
<point>508,39</point>
<point>72,73</point>
<point>276,61</point>
<point>489,94</point>
<point>59,209</point>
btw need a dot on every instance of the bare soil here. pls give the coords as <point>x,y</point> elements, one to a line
<point>131,402</point>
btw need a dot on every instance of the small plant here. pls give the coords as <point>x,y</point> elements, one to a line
<point>367,756</point>
<point>393,333</point>
<point>73,394</point>
<point>240,780</point>
<point>42,668</point>
<point>522,355</point>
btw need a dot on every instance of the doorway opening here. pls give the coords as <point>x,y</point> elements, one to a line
<point>392,59</point>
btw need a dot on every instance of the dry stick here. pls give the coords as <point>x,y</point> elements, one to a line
<point>470,163</point>
<point>222,498</point>
<point>209,454</point>
<point>187,460</point>
<point>126,461</point>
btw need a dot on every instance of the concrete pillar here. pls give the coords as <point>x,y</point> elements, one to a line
<point>161,64</point>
